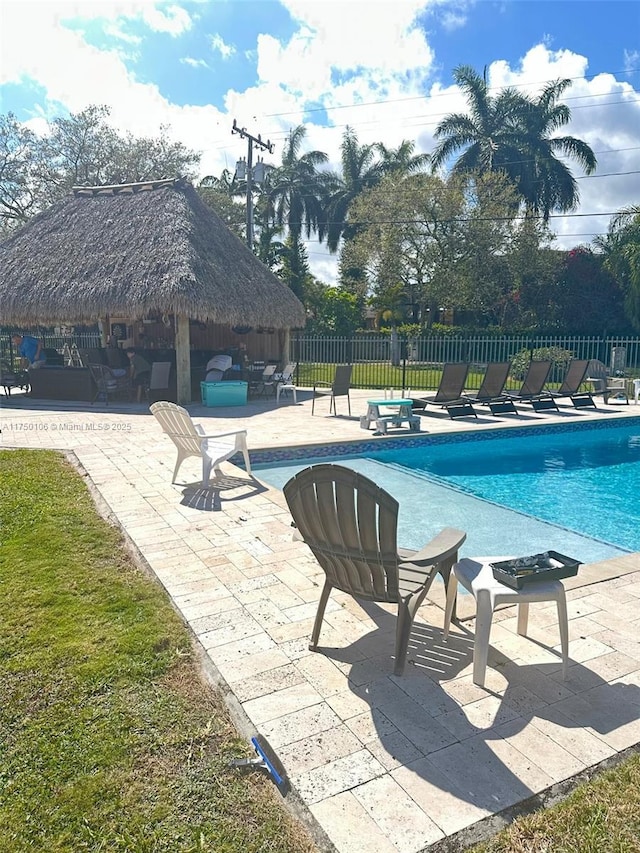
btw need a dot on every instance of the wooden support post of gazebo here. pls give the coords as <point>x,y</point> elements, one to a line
<point>183,360</point>
<point>285,355</point>
<point>103,328</point>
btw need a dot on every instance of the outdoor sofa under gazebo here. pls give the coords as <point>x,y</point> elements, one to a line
<point>140,250</point>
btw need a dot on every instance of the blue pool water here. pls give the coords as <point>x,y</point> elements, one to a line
<point>574,490</point>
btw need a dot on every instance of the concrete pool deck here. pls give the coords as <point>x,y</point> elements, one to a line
<point>380,763</point>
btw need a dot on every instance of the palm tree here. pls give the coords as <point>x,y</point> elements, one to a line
<point>488,136</point>
<point>621,249</point>
<point>360,172</point>
<point>401,160</point>
<point>512,133</point>
<point>297,190</point>
<point>295,196</point>
<point>547,183</point>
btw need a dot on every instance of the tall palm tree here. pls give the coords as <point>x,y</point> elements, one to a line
<point>401,160</point>
<point>511,132</point>
<point>297,189</point>
<point>621,249</point>
<point>360,171</point>
<point>547,183</point>
<point>294,198</point>
<point>488,135</point>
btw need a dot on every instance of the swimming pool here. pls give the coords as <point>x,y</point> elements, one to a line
<point>572,488</point>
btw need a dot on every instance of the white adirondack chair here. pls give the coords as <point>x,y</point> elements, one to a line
<point>191,440</point>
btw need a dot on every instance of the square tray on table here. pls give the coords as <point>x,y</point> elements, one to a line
<point>548,566</point>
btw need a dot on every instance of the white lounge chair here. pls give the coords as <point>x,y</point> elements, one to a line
<point>217,367</point>
<point>191,440</point>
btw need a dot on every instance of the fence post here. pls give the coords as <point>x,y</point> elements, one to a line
<point>404,350</point>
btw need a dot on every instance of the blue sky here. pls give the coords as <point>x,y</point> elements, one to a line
<point>384,68</point>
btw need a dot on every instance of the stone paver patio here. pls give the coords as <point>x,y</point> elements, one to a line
<point>381,763</point>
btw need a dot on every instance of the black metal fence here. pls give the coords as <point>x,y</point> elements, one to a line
<point>384,361</point>
<point>394,361</point>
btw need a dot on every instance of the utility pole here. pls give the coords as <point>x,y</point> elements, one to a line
<point>253,141</point>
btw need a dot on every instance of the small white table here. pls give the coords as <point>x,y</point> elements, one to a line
<point>402,414</point>
<point>636,390</point>
<point>476,576</point>
<point>286,387</point>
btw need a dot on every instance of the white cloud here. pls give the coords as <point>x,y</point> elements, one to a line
<point>631,60</point>
<point>373,71</point>
<point>219,46</point>
<point>453,20</point>
<point>174,20</point>
<point>115,30</point>
<point>342,55</point>
<point>194,63</point>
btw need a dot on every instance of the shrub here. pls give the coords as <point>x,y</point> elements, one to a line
<point>558,357</point>
<point>447,331</point>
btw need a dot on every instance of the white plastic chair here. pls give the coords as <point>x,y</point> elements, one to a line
<point>159,379</point>
<point>217,367</point>
<point>191,440</point>
<point>476,576</point>
<point>287,374</point>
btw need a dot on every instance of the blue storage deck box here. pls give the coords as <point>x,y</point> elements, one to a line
<point>224,393</point>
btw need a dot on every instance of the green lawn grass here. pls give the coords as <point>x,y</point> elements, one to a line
<point>601,816</point>
<point>417,377</point>
<point>109,741</point>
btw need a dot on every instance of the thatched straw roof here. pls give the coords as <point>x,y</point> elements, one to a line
<point>133,250</point>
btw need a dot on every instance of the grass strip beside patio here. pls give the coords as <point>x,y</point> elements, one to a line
<point>109,739</point>
<point>600,816</point>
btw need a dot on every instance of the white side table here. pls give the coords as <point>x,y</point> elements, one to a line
<point>476,576</point>
<point>286,387</point>
<point>636,390</point>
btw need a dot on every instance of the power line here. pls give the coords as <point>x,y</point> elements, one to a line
<point>607,175</point>
<point>432,121</point>
<point>440,95</point>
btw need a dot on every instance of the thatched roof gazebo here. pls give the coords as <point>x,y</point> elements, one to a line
<point>133,250</point>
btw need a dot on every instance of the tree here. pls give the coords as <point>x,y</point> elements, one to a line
<point>84,149</point>
<point>270,248</point>
<point>401,160</point>
<point>431,243</point>
<point>512,133</point>
<point>296,190</point>
<point>81,149</point>
<point>621,249</point>
<point>590,300</point>
<point>360,172</point>
<point>333,310</point>
<point>488,136</point>
<point>409,240</point>
<point>20,162</point>
<point>546,182</point>
<point>220,194</point>
<point>295,266</point>
<point>531,303</point>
